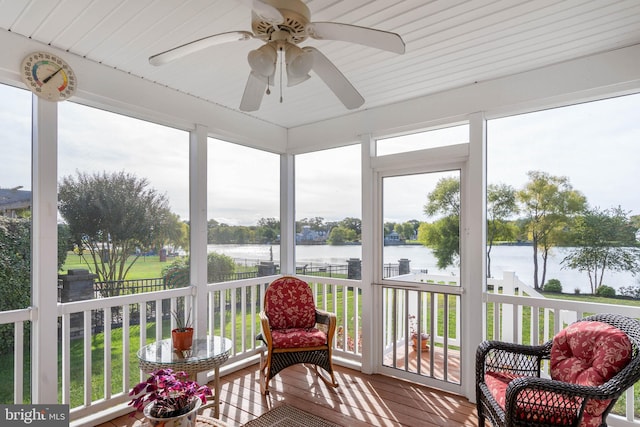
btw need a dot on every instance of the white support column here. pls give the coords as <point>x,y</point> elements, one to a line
<point>44,249</point>
<point>473,240</point>
<point>370,319</point>
<point>198,224</point>
<point>287,214</point>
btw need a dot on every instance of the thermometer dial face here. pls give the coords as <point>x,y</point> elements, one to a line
<point>48,76</point>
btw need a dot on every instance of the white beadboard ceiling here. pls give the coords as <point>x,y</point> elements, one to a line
<point>449,43</point>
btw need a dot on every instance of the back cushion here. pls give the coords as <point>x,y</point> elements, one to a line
<point>288,303</point>
<point>589,353</point>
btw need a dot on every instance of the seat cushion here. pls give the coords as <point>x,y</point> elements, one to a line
<point>298,337</point>
<point>289,304</point>
<point>533,405</point>
<point>589,353</point>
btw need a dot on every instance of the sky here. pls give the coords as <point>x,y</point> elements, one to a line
<point>596,145</point>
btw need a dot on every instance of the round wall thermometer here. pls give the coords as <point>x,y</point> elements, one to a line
<point>48,76</point>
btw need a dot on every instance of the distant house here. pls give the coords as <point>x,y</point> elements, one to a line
<point>392,238</point>
<point>14,201</point>
<point>310,237</point>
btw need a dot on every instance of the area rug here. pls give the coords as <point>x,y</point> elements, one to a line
<point>288,416</point>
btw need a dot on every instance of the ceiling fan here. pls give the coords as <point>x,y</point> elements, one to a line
<point>283,25</point>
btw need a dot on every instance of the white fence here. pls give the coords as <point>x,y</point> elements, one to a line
<point>98,367</point>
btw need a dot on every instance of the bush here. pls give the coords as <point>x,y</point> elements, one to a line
<point>15,272</point>
<point>605,291</point>
<point>176,274</point>
<point>576,291</point>
<point>553,285</point>
<point>219,268</point>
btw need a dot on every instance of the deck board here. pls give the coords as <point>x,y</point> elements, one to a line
<point>360,401</point>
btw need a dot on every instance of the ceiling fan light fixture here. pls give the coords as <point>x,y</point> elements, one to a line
<point>299,64</point>
<point>293,80</point>
<point>263,60</point>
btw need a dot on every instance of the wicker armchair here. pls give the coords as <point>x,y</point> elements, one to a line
<point>294,331</point>
<point>511,392</point>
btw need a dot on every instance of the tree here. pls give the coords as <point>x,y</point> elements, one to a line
<point>315,224</point>
<point>443,236</point>
<point>501,203</point>
<point>171,231</point>
<point>549,202</point>
<point>115,216</point>
<point>604,240</point>
<point>405,230</point>
<point>354,224</point>
<point>340,235</point>
<point>268,230</point>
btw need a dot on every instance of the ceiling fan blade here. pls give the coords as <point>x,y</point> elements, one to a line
<point>371,37</point>
<point>336,81</point>
<point>197,45</point>
<point>253,93</point>
<point>265,11</point>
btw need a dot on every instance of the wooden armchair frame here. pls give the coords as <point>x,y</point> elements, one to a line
<point>273,359</point>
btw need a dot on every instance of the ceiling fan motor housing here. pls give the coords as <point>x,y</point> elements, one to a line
<point>296,18</point>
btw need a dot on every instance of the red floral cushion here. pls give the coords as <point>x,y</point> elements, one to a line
<point>589,353</point>
<point>497,383</point>
<point>298,338</point>
<point>586,353</point>
<point>289,304</point>
<point>533,405</point>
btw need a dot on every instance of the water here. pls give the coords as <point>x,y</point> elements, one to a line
<point>503,258</point>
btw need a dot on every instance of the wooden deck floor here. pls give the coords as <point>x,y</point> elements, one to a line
<point>360,400</point>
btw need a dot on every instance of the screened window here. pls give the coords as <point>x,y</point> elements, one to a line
<point>15,198</point>
<point>243,210</point>
<point>421,228</point>
<point>571,174</point>
<point>123,194</point>
<point>328,212</point>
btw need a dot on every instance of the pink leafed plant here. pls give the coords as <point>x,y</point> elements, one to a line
<point>171,394</point>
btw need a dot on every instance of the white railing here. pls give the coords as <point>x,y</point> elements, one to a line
<point>430,313</point>
<point>233,309</point>
<point>236,306</point>
<point>110,352</point>
<point>535,320</point>
<point>87,326</point>
<point>18,319</point>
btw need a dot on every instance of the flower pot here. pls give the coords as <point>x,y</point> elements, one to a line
<point>182,340</point>
<point>185,420</point>
<point>424,342</point>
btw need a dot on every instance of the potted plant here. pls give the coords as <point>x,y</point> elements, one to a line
<point>169,399</point>
<point>414,329</point>
<point>182,335</point>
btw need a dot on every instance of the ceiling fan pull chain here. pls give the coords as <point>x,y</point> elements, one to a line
<point>268,84</point>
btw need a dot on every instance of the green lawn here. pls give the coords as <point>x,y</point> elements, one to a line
<point>146,267</point>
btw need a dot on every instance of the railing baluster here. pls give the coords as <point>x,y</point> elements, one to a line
<point>107,353</point>
<point>87,357</point>
<point>126,347</point>
<point>66,358</point>
<point>18,362</point>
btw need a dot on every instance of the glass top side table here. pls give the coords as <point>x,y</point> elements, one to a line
<point>206,354</point>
